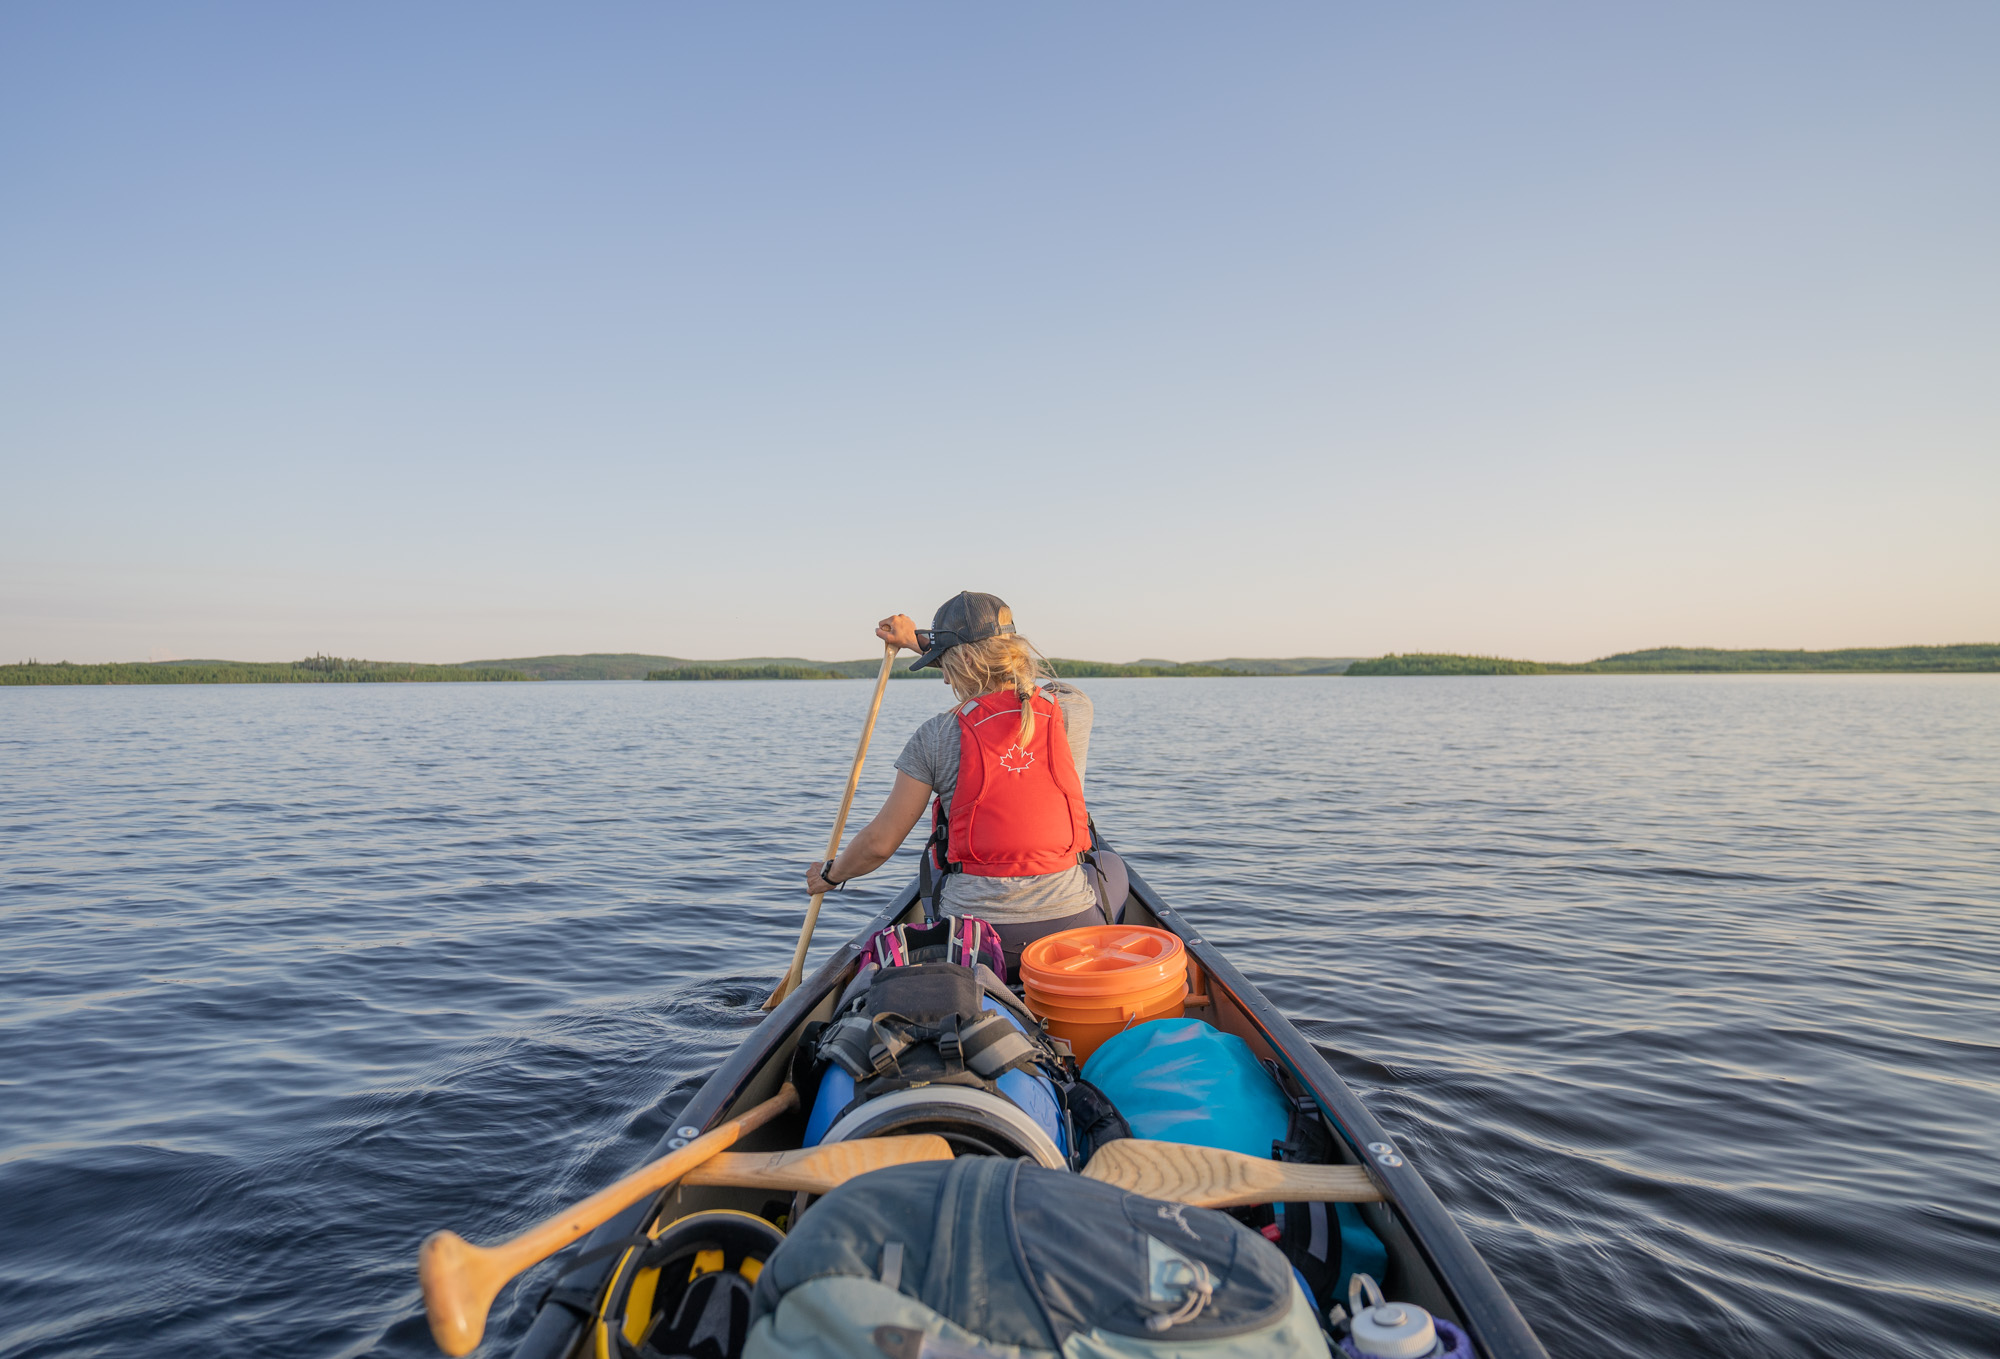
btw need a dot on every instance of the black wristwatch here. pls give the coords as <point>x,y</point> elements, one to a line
<point>826,876</point>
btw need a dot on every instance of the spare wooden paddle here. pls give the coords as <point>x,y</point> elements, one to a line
<point>817,1170</point>
<point>797,971</point>
<point>1208,1178</point>
<point>460,1280</point>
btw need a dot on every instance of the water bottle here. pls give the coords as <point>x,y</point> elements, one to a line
<point>1397,1330</point>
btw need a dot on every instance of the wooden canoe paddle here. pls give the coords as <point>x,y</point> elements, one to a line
<point>797,971</point>
<point>460,1280</point>
<point>818,1170</point>
<point>1207,1178</point>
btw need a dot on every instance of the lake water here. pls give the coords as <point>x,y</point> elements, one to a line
<point>1684,993</point>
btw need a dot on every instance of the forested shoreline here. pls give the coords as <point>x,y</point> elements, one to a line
<point>1967,658</point>
<point>1961,659</point>
<point>745,672</point>
<point>312,670</point>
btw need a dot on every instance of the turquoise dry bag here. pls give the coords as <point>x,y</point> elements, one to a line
<point>1180,1080</point>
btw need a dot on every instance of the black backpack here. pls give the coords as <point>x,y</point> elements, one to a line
<point>927,1024</point>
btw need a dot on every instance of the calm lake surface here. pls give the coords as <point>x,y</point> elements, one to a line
<point>1684,993</point>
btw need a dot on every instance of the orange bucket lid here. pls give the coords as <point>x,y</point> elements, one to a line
<point>1103,960</point>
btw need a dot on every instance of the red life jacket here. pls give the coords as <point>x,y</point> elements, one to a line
<point>1015,813</point>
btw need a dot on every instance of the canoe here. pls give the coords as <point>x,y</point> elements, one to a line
<point>1430,1262</point>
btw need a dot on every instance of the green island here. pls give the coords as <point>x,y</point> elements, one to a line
<point>312,670</point>
<point>1675,660</point>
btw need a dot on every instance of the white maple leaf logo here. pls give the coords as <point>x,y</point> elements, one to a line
<point>1017,760</point>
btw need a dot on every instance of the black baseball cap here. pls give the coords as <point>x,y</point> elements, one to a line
<point>965,617</point>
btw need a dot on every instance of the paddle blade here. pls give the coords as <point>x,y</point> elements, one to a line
<point>1208,1178</point>
<point>777,997</point>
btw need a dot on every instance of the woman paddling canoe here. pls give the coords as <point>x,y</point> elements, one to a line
<point>1016,743</point>
<point>1356,1219</point>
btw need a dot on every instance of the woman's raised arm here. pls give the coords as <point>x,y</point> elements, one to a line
<point>875,842</point>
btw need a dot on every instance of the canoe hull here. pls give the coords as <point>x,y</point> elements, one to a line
<point>1433,1263</point>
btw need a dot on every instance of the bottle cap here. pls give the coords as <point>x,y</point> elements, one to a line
<point>1394,1330</point>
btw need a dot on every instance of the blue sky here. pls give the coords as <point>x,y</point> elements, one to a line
<point>439,332</point>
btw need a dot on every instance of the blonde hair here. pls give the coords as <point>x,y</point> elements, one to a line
<point>1005,662</point>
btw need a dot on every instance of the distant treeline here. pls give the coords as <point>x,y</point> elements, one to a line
<point>1161,670</point>
<point>629,665</point>
<point>744,672</point>
<point>1426,663</point>
<point>1266,665</point>
<point>1066,669</point>
<point>312,670</point>
<point>599,665</point>
<point>1674,660</point>
<point>633,666</point>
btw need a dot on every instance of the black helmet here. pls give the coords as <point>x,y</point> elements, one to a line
<point>688,1292</point>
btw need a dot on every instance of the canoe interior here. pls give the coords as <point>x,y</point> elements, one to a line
<point>1430,1263</point>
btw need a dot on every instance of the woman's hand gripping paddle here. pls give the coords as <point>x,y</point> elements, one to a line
<point>460,1280</point>
<point>797,971</point>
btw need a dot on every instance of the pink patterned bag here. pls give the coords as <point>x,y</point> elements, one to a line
<point>963,939</point>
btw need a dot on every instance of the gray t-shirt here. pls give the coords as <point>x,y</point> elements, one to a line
<point>931,757</point>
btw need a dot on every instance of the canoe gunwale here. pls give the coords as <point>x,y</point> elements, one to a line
<point>1496,1325</point>
<point>556,1329</point>
<point>1497,1328</point>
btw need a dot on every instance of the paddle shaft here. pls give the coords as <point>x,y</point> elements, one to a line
<point>817,1170</point>
<point>797,971</point>
<point>460,1280</point>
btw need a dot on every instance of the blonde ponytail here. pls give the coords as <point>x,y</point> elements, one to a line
<point>1007,662</point>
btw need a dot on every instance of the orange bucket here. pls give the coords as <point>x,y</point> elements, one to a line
<point>1096,982</point>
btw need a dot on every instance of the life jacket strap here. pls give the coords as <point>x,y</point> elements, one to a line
<point>935,862</point>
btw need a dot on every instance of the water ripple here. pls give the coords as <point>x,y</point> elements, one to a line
<point>1681,991</point>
